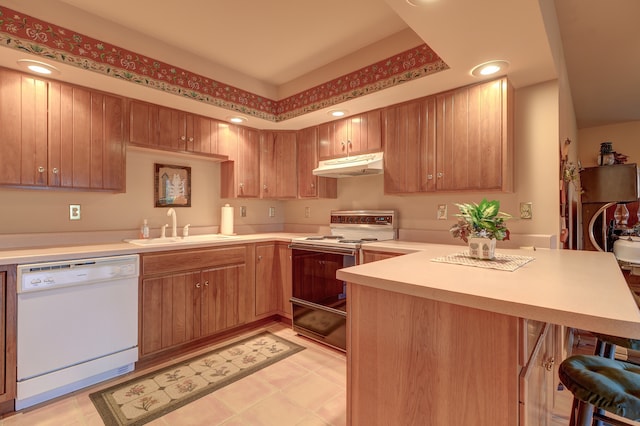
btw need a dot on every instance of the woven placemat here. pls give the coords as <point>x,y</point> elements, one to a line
<point>502,262</point>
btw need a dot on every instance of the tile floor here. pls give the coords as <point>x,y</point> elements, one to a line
<point>307,389</point>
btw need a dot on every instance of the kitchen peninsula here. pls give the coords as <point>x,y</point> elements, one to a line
<point>445,344</point>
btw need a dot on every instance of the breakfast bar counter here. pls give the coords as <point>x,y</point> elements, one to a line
<point>431,342</point>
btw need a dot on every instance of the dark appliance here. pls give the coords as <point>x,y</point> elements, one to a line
<point>604,187</point>
<point>319,300</point>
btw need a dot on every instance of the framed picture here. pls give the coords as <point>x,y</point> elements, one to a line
<point>172,186</point>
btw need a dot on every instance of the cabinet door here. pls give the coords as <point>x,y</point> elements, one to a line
<point>473,143</point>
<point>365,133</point>
<point>409,140</point>
<point>373,256</point>
<point>536,382</point>
<point>248,164</point>
<point>143,123</point>
<point>278,177</point>
<point>203,139</point>
<point>86,139</point>
<point>267,296</point>
<point>333,138</point>
<point>222,298</point>
<point>172,129</point>
<point>168,316</point>
<point>310,186</point>
<point>23,120</point>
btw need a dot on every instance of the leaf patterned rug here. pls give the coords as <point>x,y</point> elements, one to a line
<point>145,398</point>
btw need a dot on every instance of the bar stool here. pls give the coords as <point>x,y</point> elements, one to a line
<point>603,383</point>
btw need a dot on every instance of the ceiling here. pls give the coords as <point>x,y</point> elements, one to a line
<point>281,47</point>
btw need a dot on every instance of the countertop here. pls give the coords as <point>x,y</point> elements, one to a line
<point>77,251</point>
<point>581,289</point>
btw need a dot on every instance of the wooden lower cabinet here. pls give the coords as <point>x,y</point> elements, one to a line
<point>412,360</point>
<point>273,280</point>
<point>7,337</point>
<point>192,294</point>
<point>537,380</point>
<point>369,256</point>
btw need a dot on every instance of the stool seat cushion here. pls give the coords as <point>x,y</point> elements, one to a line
<point>611,385</point>
<point>624,342</point>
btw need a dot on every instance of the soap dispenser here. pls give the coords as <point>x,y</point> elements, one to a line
<point>144,231</point>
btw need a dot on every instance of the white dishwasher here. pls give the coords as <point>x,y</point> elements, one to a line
<point>77,325</point>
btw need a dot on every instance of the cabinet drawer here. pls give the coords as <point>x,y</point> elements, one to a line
<point>192,259</point>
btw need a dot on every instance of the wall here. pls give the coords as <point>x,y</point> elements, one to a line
<point>536,139</point>
<point>623,135</point>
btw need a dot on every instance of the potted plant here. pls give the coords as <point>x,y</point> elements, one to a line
<point>481,225</point>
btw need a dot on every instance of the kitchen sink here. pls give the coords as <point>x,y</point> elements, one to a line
<point>167,241</point>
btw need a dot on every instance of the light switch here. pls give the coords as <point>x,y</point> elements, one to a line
<point>307,212</point>
<point>272,212</point>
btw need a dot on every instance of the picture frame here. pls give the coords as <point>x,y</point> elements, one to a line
<point>172,187</point>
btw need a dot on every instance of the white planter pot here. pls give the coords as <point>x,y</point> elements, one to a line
<point>482,248</point>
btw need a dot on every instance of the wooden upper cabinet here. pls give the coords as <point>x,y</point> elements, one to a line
<point>154,126</point>
<point>86,139</point>
<point>309,185</point>
<point>475,137</point>
<point>278,175</point>
<point>240,176</point>
<point>23,120</point>
<point>354,135</point>
<point>454,141</point>
<point>409,137</point>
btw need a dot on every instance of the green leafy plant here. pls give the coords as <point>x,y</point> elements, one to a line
<point>481,220</point>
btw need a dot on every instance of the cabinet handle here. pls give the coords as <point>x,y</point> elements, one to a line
<point>41,169</point>
<point>259,258</point>
<point>264,187</point>
<point>440,174</point>
<point>206,283</point>
<point>313,185</point>
<point>241,185</point>
<point>191,139</point>
<point>429,176</point>
<point>183,138</point>
<point>197,285</point>
<point>55,171</point>
<point>548,365</point>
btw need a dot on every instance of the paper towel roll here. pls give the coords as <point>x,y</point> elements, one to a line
<point>226,220</point>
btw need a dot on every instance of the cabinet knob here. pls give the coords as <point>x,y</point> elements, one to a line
<point>183,138</point>
<point>440,174</point>
<point>197,285</point>
<point>241,185</point>
<point>41,169</point>
<point>429,176</point>
<point>264,187</point>
<point>313,185</point>
<point>55,171</point>
<point>259,258</point>
<point>206,283</point>
<point>548,365</point>
<point>191,139</point>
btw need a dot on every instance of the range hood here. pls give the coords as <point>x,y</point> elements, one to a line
<point>358,165</point>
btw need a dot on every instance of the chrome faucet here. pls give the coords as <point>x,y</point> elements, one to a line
<point>174,222</point>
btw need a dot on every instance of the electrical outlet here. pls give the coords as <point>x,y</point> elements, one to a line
<point>307,212</point>
<point>243,211</point>
<point>74,211</point>
<point>442,212</point>
<point>272,212</point>
<point>526,210</point>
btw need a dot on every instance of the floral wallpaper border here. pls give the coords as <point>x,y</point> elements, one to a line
<point>37,37</point>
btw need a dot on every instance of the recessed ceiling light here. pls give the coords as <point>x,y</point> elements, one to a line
<point>237,119</point>
<point>489,68</point>
<point>337,113</point>
<point>38,67</point>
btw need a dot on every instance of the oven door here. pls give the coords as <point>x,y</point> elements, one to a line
<point>319,299</point>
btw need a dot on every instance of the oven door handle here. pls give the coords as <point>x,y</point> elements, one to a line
<point>312,305</point>
<point>324,249</point>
